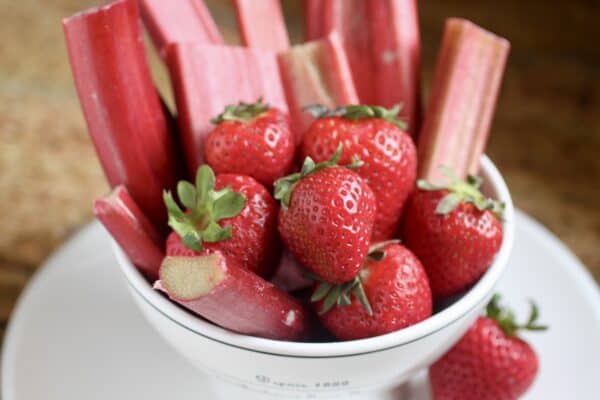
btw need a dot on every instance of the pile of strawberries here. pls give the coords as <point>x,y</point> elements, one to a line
<point>304,227</point>
<point>377,247</point>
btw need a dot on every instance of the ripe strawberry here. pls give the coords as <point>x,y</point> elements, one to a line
<point>455,231</point>
<point>390,292</point>
<point>489,362</point>
<point>251,139</point>
<point>231,213</point>
<point>326,218</point>
<point>376,136</point>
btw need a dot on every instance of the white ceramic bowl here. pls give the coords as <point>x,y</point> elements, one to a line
<point>251,368</point>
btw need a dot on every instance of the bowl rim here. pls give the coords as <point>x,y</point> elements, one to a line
<point>471,300</point>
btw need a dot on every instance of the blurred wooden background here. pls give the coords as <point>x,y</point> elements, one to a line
<point>545,139</point>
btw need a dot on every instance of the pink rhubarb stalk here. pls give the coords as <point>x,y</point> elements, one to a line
<point>315,73</point>
<point>179,21</point>
<point>312,13</point>
<point>290,275</point>
<point>206,78</point>
<point>124,114</point>
<point>396,58</point>
<point>261,24</point>
<point>232,297</point>
<point>462,101</point>
<point>132,230</point>
<point>349,18</point>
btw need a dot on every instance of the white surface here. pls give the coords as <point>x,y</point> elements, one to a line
<point>76,334</point>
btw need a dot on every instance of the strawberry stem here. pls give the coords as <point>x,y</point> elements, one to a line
<point>356,112</point>
<point>506,317</point>
<point>241,112</point>
<point>462,192</point>
<point>206,207</point>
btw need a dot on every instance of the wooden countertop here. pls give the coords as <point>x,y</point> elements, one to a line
<point>545,138</point>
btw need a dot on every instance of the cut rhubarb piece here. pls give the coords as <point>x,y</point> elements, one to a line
<point>349,19</point>
<point>315,73</point>
<point>290,275</point>
<point>462,101</point>
<point>261,24</point>
<point>232,297</point>
<point>206,78</point>
<point>395,52</point>
<point>132,230</point>
<point>179,21</point>
<point>123,111</point>
<point>312,11</point>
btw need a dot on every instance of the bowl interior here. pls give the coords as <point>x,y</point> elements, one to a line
<point>494,186</point>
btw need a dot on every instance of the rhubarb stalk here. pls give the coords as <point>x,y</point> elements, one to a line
<point>349,19</point>
<point>395,55</point>
<point>312,12</point>
<point>462,101</point>
<point>207,78</point>
<point>290,275</point>
<point>316,73</point>
<point>124,114</point>
<point>261,24</point>
<point>232,297</point>
<point>132,230</point>
<point>179,21</point>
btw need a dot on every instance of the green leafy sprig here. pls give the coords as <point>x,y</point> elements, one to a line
<point>506,318</point>
<point>241,112</point>
<point>356,112</point>
<point>205,208</point>
<point>284,186</point>
<point>462,192</point>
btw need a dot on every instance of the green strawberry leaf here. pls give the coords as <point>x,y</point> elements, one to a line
<point>215,233</point>
<point>205,182</point>
<point>205,208</point>
<point>506,320</point>
<point>321,291</point>
<point>340,295</point>
<point>228,205</point>
<point>284,186</point>
<point>241,112</point>
<point>462,192</point>
<point>187,194</point>
<point>356,112</point>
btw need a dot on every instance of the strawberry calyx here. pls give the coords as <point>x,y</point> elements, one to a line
<point>205,208</point>
<point>340,295</point>
<point>285,186</point>
<point>241,112</point>
<point>460,191</point>
<point>505,318</point>
<point>356,112</point>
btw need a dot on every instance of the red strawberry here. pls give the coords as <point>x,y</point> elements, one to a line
<point>377,137</point>
<point>391,292</point>
<point>489,362</point>
<point>455,231</point>
<point>251,139</point>
<point>232,213</point>
<point>326,218</point>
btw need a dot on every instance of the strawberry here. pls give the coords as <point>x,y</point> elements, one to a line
<point>378,138</point>
<point>233,214</point>
<point>326,217</point>
<point>455,231</point>
<point>489,362</point>
<point>251,139</point>
<point>390,292</point>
